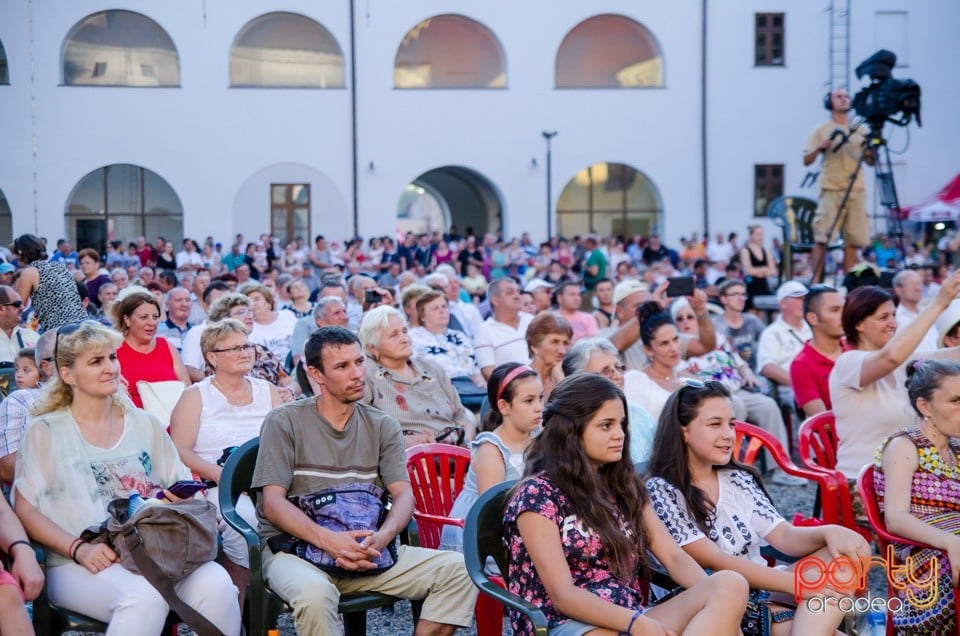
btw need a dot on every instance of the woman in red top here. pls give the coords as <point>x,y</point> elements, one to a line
<point>143,355</point>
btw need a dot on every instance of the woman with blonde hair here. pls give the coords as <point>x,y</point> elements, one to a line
<point>84,448</point>
<point>222,411</point>
<point>144,356</point>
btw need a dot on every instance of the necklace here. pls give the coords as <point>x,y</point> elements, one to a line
<point>242,400</point>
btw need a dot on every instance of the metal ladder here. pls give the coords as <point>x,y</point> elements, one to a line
<point>839,12</point>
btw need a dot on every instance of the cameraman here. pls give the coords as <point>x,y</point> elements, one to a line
<point>841,150</point>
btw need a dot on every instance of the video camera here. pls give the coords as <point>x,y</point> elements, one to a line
<point>886,96</point>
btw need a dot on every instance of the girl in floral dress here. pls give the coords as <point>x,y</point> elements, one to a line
<point>917,482</point>
<point>579,524</point>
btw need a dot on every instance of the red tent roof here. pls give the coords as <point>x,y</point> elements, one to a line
<point>950,194</point>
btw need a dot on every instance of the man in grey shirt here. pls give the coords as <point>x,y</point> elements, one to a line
<point>331,440</point>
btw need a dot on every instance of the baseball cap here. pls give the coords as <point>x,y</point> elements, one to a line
<point>626,287</point>
<point>536,284</point>
<point>6,268</point>
<point>946,321</point>
<point>791,289</point>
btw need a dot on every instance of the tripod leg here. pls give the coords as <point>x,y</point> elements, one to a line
<point>818,257</point>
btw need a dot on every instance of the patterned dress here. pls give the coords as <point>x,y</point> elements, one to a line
<point>56,300</point>
<point>934,499</point>
<point>585,555</point>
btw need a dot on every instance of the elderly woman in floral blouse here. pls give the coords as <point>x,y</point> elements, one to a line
<point>414,391</point>
<point>436,341</point>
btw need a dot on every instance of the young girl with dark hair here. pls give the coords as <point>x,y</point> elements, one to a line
<point>579,525</point>
<point>515,393</point>
<point>917,481</point>
<point>718,511</point>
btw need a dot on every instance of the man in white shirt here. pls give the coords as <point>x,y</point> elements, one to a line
<point>719,251</point>
<point>908,286</point>
<point>503,336</point>
<point>13,337</point>
<point>189,259</point>
<point>783,339</point>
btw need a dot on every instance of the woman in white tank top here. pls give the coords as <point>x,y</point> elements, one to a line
<point>222,411</point>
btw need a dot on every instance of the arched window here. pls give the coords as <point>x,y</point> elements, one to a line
<point>119,48</point>
<point>609,51</point>
<point>285,50</point>
<point>450,51</point>
<point>4,70</point>
<point>122,202</point>
<point>608,199</point>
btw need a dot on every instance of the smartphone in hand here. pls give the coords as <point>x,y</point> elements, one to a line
<point>680,286</point>
<point>187,488</point>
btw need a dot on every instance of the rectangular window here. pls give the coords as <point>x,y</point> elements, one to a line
<point>769,29</point>
<point>767,186</point>
<point>290,211</point>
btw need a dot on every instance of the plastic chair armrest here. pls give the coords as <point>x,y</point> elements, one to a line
<point>437,519</point>
<point>511,600</point>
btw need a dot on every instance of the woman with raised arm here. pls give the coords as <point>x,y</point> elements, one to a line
<point>579,525</point>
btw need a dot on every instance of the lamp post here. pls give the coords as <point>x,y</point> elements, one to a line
<point>547,137</point>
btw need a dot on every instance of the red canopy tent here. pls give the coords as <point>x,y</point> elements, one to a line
<point>943,206</point>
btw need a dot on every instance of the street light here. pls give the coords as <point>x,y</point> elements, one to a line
<point>548,136</point>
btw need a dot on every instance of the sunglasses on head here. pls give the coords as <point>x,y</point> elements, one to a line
<point>17,303</point>
<point>66,330</point>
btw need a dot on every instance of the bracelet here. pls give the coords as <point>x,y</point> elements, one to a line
<point>10,547</point>
<point>633,619</point>
<point>74,548</point>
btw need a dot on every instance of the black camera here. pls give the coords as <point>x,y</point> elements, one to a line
<point>372,296</point>
<point>886,96</point>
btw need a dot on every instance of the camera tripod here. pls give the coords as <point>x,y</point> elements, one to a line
<point>876,146</point>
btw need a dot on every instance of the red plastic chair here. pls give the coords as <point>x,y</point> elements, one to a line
<point>818,451</point>
<point>437,473</point>
<point>884,537</point>
<point>752,439</point>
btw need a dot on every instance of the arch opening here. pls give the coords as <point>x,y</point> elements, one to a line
<point>609,199</point>
<point>609,51</point>
<point>423,59</point>
<point>449,196</point>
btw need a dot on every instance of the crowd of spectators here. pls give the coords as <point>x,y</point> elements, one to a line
<point>422,328</point>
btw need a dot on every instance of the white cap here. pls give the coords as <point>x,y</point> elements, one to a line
<point>947,320</point>
<point>626,287</point>
<point>791,289</point>
<point>536,284</point>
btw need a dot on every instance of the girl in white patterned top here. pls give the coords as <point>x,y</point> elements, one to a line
<point>719,512</point>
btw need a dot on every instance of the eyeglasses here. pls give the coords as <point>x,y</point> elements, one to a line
<point>688,317</point>
<point>66,330</point>
<point>17,303</point>
<point>239,313</point>
<point>610,372</point>
<point>735,294</point>
<point>245,348</point>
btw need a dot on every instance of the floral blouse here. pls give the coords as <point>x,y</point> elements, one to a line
<point>720,365</point>
<point>582,548</point>
<point>451,350</point>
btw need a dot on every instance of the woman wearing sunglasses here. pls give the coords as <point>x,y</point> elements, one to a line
<point>85,447</point>
<point>222,411</point>
<point>718,511</point>
<point>579,525</point>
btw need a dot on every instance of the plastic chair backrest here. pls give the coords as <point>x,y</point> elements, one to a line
<point>818,441</point>
<point>437,473</point>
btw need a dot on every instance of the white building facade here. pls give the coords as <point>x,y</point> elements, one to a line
<point>300,118</point>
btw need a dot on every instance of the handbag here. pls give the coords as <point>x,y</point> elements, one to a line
<point>165,543</point>
<point>357,506</point>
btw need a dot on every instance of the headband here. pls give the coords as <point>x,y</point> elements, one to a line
<point>510,377</point>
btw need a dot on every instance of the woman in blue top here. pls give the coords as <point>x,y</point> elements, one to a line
<point>516,402</point>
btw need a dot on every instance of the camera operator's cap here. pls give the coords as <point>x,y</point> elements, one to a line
<point>6,268</point>
<point>535,284</point>
<point>947,321</point>
<point>791,289</point>
<point>626,287</point>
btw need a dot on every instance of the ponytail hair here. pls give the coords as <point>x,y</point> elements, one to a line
<point>652,316</point>
<point>496,392</point>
